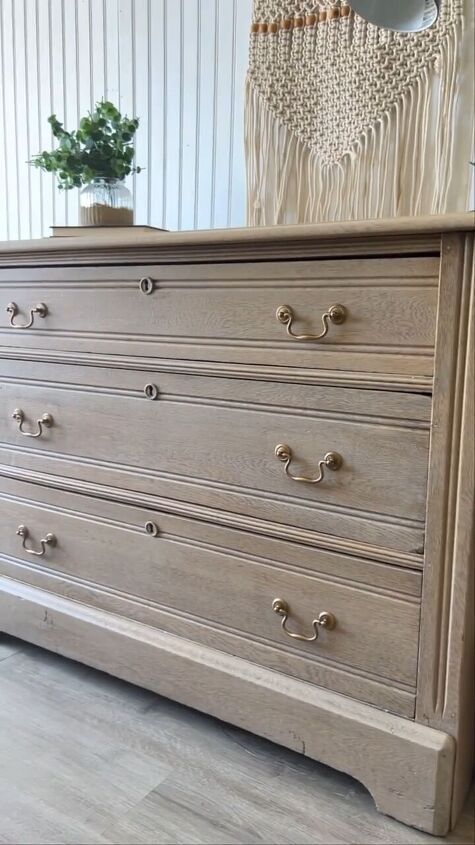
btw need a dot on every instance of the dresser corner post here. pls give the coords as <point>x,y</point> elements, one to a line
<point>445,690</point>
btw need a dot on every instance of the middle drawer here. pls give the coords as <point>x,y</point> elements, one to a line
<point>215,442</point>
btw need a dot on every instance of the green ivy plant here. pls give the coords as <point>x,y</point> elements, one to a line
<point>102,148</point>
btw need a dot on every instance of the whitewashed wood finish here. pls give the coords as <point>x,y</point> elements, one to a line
<point>180,66</point>
<point>202,780</point>
<point>447,680</point>
<point>390,541</point>
<point>206,434</point>
<point>108,627</point>
<point>406,766</point>
<point>391,696</point>
<point>401,236</point>
<point>220,579</point>
<point>106,514</point>
<point>208,311</point>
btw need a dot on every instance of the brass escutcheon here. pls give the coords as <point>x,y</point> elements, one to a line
<point>151,391</point>
<point>151,528</point>
<point>146,285</point>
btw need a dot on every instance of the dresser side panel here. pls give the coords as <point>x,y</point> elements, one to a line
<point>445,698</point>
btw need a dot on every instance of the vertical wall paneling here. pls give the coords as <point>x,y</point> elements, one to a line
<point>206,85</point>
<point>173,63</point>
<point>20,117</point>
<point>58,50</point>
<point>98,58</point>
<point>9,118</point>
<point>189,111</point>
<point>237,190</point>
<point>4,205</point>
<point>178,64</point>
<point>141,104</point>
<point>155,173</point>
<point>223,110</point>
<point>70,112</point>
<point>46,107</point>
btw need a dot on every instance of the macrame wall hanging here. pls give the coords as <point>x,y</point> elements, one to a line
<point>345,120</point>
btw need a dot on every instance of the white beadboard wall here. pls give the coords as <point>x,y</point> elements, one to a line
<point>179,65</point>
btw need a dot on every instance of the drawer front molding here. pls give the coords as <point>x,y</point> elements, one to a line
<point>225,586</point>
<point>383,533</point>
<point>174,319</point>
<point>228,443</point>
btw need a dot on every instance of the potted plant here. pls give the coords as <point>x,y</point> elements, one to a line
<point>97,157</point>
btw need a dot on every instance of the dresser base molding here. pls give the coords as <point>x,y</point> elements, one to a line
<point>407,767</point>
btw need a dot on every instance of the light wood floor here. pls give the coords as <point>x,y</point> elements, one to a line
<point>85,758</point>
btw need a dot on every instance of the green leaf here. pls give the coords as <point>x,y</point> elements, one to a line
<point>102,146</point>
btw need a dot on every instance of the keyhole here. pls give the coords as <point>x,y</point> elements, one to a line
<point>151,528</point>
<point>151,391</point>
<point>146,285</point>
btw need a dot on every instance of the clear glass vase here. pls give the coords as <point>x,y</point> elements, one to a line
<point>106,202</point>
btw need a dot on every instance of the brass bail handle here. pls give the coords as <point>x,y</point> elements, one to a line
<point>332,461</point>
<point>323,620</point>
<point>46,421</point>
<point>12,309</point>
<point>49,540</point>
<point>336,314</point>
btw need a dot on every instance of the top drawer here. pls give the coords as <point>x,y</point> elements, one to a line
<point>229,312</point>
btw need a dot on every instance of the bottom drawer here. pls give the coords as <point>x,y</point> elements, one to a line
<point>219,586</point>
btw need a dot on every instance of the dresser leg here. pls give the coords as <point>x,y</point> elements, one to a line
<point>432,815</point>
<point>406,766</point>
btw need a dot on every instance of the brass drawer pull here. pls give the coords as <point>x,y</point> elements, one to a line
<point>323,620</point>
<point>45,421</point>
<point>49,540</point>
<point>332,461</point>
<point>336,314</point>
<point>12,309</point>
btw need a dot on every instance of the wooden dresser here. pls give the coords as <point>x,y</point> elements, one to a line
<point>237,468</point>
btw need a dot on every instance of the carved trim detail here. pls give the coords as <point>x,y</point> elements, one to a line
<point>299,375</point>
<point>219,517</point>
<point>232,250</point>
<point>450,515</point>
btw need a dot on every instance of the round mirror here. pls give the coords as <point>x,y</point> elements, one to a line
<point>401,16</point>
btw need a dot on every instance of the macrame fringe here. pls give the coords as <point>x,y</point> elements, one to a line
<point>404,165</point>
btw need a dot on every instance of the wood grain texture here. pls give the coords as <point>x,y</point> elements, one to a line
<point>350,736</point>
<point>189,612</point>
<point>389,407</point>
<point>339,231</point>
<point>194,436</point>
<point>223,249</point>
<point>295,375</point>
<point>392,696</point>
<point>218,582</point>
<point>204,781</point>
<point>446,680</point>
<point>385,541</point>
<point>103,309</point>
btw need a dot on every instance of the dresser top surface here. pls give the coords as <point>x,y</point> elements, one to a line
<point>226,243</point>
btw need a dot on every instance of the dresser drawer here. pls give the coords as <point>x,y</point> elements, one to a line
<point>376,315</point>
<point>224,582</point>
<point>204,438</point>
